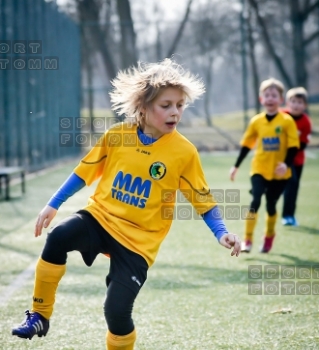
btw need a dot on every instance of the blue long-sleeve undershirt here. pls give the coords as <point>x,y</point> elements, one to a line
<point>72,185</point>
<point>215,222</point>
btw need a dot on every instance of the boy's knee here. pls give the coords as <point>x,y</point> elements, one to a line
<point>255,204</point>
<point>55,250</point>
<point>271,209</point>
<point>55,236</point>
<point>118,308</point>
<point>118,319</point>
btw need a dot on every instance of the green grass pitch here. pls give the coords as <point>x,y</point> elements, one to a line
<point>196,296</point>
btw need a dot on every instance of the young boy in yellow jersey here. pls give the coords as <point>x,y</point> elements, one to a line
<point>274,134</point>
<point>140,164</point>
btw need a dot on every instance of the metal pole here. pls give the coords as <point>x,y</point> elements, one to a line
<point>243,62</point>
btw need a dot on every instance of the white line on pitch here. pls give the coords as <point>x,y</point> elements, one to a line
<point>17,283</point>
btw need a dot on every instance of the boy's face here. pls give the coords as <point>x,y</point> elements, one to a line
<point>271,99</point>
<point>164,113</point>
<point>296,105</point>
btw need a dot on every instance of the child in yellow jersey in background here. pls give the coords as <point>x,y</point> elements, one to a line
<point>140,164</point>
<point>274,134</point>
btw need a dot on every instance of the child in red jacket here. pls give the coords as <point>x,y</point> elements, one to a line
<point>296,102</point>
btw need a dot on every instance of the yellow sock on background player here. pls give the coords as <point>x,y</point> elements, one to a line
<point>250,224</point>
<point>270,225</point>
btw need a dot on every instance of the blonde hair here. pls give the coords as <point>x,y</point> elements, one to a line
<point>137,87</point>
<point>272,83</point>
<point>299,92</point>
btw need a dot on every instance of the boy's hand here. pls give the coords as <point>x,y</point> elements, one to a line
<point>281,169</point>
<point>232,173</point>
<point>44,218</point>
<point>231,240</point>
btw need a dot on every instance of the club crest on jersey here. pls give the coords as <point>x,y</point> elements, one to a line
<point>157,170</point>
<point>278,130</point>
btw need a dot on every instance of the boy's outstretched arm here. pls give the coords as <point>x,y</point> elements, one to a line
<point>230,240</point>
<point>215,222</point>
<point>72,185</point>
<point>44,218</point>
<point>242,154</point>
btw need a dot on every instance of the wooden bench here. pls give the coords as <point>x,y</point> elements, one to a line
<point>7,173</point>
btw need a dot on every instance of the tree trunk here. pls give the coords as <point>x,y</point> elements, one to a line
<point>253,63</point>
<point>89,72</point>
<point>89,14</point>
<point>297,22</point>
<point>207,96</point>
<point>207,100</point>
<point>278,62</point>
<point>158,43</point>
<point>179,33</point>
<point>128,48</point>
<point>87,58</point>
<point>243,31</point>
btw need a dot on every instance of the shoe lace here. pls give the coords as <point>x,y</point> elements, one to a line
<point>31,317</point>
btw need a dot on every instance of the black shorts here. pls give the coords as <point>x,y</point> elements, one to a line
<point>82,232</point>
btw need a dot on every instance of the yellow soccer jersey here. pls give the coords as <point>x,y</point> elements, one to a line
<point>136,194</point>
<point>272,139</point>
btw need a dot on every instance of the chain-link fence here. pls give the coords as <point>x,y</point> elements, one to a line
<point>39,82</point>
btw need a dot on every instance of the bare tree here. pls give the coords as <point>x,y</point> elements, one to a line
<point>89,11</point>
<point>158,44</point>
<point>128,37</point>
<point>180,30</point>
<point>87,62</point>
<point>208,41</point>
<point>298,16</point>
<point>211,32</point>
<point>270,47</point>
<point>253,61</point>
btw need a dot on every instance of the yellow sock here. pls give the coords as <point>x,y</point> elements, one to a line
<point>120,342</point>
<point>47,278</point>
<point>270,225</point>
<point>250,224</point>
